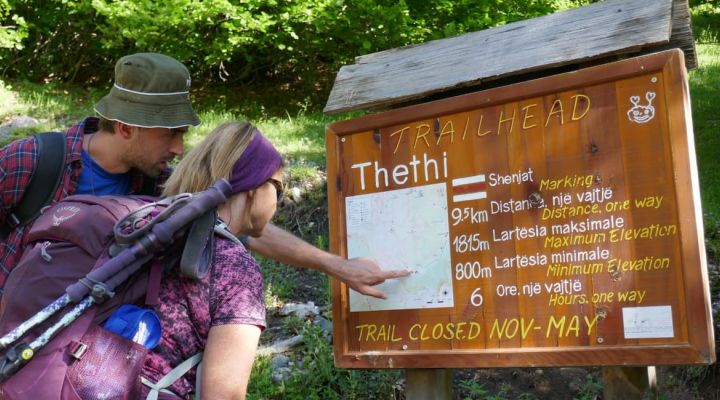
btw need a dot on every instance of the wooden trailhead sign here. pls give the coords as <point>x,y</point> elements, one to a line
<point>551,222</point>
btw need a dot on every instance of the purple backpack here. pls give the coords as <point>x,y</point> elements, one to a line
<point>85,256</point>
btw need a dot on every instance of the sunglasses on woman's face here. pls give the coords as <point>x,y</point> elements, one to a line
<point>279,188</point>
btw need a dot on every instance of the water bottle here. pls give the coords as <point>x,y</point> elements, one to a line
<point>141,325</point>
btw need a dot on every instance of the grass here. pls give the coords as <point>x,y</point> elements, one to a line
<point>705,95</point>
<point>706,24</point>
<point>315,378</point>
<point>300,137</point>
<point>279,282</point>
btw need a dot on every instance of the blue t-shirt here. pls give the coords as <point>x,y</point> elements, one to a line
<point>97,181</point>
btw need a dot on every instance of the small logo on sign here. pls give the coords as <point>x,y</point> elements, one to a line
<point>63,214</point>
<point>639,113</point>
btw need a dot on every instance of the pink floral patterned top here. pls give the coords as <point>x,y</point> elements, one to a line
<point>231,293</point>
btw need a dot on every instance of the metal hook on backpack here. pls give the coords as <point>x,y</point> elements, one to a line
<point>134,225</point>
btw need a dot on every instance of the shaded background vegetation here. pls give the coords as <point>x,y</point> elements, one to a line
<point>288,51</point>
<point>281,53</point>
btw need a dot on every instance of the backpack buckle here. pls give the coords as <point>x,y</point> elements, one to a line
<point>78,349</point>
<point>13,220</point>
<point>8,226</point>
<point>100,292</point>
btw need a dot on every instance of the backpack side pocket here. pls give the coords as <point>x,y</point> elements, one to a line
<point>106,366</point>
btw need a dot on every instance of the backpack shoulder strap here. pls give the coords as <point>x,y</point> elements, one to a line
<point>175,374</point>
<point>51,150</point>
<point>149,186</point>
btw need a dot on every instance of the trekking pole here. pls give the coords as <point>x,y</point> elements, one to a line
<point>101,281</point>
<point>42,315</point>
<point>22,353</point>
<point>47,312</point>
<point>19,355</point>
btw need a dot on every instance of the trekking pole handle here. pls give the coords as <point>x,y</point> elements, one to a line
<point>199,205</point>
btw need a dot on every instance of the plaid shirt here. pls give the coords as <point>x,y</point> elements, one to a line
<point>17,162</point>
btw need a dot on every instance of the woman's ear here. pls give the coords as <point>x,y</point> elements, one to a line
<point>250,200</point>
<point>247,210</point>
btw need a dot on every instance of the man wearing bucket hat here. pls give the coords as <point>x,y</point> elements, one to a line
<point>127,149</point>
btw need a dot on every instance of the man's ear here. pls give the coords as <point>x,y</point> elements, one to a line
<point>124,130</point>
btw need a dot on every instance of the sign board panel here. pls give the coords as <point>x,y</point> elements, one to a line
<point>551,222</point>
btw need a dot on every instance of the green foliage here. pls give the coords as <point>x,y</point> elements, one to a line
<point>292,46</point>
<point>79,40</point>
<point>13,28</point>
<point>300,139</point>
<point>54,105</point>
<point>705,97</point>
<point>279,281</point>
<point>293,324</point>
<point>60,44</point>
<point>314,376</point>
<point>461,16</point>
<point>590,389</point>
<point>289,50</point>
<point>695,3</point>
<point>261,385</point>
<point>704,82</point>
<point>8,104</point>
<point>473,389</point>
<point>562,5</point>
<point>706,23</point>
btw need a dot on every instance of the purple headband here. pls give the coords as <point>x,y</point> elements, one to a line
<point>256,165</point>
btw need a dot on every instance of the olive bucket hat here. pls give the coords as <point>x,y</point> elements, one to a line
<point>151,91</point>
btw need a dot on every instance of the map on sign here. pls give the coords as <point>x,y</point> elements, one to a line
<point>405,228</point>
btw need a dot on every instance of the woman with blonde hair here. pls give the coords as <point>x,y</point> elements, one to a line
<point>223,313</point>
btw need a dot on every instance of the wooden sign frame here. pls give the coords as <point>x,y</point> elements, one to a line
<point>546,137</point>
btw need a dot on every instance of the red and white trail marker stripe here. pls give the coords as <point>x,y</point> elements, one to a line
<point>469,188</point>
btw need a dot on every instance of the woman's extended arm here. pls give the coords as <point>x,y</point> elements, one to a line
<point>361,274</point>
<point>228,360</point>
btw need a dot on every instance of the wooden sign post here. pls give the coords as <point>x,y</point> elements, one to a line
<point>554,222</point>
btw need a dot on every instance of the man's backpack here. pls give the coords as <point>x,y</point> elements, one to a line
<point>51,149</point>
<point>87,254</point>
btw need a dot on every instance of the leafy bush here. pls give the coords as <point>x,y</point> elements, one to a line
<point>60,43</point>
<point>295,43</point>
<point>695,3</point>
<point>11,35</point>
